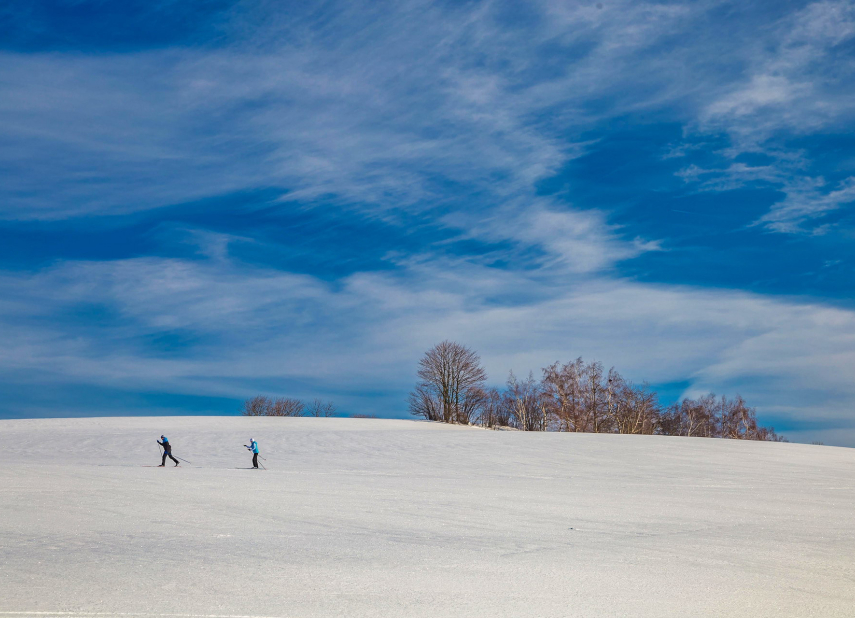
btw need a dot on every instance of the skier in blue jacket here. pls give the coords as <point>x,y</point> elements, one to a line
<point>167,450</point>
<point>253,446</point>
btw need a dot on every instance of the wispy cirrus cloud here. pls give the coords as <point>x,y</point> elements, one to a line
<point>482,105</point>
<point>807,199</point>
<point>385,112</point>
<point>792,82</point>
<point>791,88</point>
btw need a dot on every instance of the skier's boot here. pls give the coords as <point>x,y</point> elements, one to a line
<point>162,466</point>
<point>176,465</point>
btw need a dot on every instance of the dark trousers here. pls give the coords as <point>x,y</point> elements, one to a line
<point>168,454</point>
<point>255,460</point>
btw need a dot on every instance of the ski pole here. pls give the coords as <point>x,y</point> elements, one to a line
<point>184,460</point>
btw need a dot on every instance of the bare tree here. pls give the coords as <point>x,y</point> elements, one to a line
<point>710,417</point>
<point>636,410</point>
<point>689,417</point>
<point>425,403</point>
<point>265,406</point>
<point>594,396</point>
<point>528,404</point>
<point>707,420</point>
<point>256,406</point>
<point>471,405</point>
<point>495,410</point>
<point>695,417</point>
<point>615,392</point>
<point>669,422</point>
<point>286,406</point>
<point>768,434</point>
<point>452,381</point>
<point>320,408</point>
<point>739,422</point>
<point>563,394</point>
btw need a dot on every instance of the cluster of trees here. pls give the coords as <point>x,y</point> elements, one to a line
<point>286,406</point>
<point>575,396</point>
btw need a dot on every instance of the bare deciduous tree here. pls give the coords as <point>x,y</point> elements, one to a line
<point>320,408</point>
<point>451,384</point>
<point>265,406</point>
<point>689,417</point>
<point>714,418</point>
<point>495,410</point>
<point>425,403</point>
<point>528,404</point>
<point>637,409</point>
<point>563,394</point>
<point>581,397</point>
<point>594,396</point>
<point>738,421</point>
<point>286,406</point>
<point>256,406</point>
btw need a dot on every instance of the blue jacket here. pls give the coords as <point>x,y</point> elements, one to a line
<point>254,446</point>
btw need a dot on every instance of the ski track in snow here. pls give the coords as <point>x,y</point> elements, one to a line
<point>370,518</point>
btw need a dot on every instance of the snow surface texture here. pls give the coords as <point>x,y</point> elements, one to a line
<point>400,518</point>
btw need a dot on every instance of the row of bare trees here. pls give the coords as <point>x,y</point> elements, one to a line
<point>286,406</point>
<point>575,396</point>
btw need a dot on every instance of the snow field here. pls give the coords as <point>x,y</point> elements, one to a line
<point>365,517</point>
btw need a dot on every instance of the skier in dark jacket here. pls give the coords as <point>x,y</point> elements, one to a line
<point>167,450</point>
<point>253,446</point>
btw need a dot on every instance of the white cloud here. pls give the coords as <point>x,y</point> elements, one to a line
<point>387,114</point>
<point>427,107</point>
<point>762,91</point>
<point>791,81</point>
<point>793,85</point>
<point>568,240</point>
<point>381,112</point>
<point>808,200</point>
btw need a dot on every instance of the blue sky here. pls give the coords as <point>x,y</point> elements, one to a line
<point>202,201</point>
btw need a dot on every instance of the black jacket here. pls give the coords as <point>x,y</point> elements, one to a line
<point>166,446</point>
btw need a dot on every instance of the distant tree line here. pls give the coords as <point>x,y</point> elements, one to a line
<point>286,406</point>
<point>576,396</point>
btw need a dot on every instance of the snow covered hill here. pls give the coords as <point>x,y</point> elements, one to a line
<point>393,518</point>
